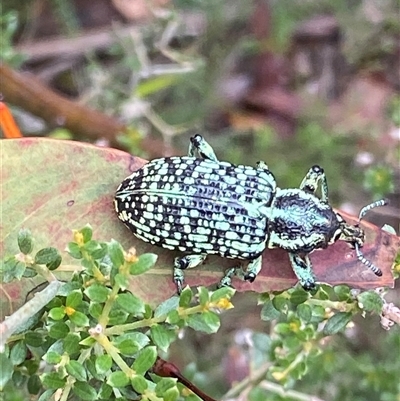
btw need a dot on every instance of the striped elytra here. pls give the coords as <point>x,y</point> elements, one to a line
<point>198,206</point>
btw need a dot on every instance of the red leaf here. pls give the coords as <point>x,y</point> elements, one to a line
<point>52,187</point>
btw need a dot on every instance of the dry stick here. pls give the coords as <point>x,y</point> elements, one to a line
<point>25,312</point>
<point>30,94</point>
<point>166,369</point>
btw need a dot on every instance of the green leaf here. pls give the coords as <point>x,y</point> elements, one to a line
<point>140,339</point>
<point>52,357</point>
<point>18,353</point>
<point>171,395</point>
<point>204,296</point>
<point>208,322</point>
<point>71,343</point>
<point>154,85</point>
<point>162,336</point>
<point>185,298</point>
<point>127,347</point>
<point>103,364</point>
<point>32,366</point>
<point>224,292</point>
<point>117,379</point>
<point>105,392</point>
<point>167,306</point>
<point>269,312</point>
<point>57,313</point>
<point>34,384</point>
<point>47,256</point>
<point>337,323</point>
<point>97,293</point>
<point>164,385</point>
<point>74,250</point>
<point>318,314</point>
<point>56,346</point>
<point>304,312</point>
<point>87,342</point>
<point>117,316</point>
<point>122,281</point>
<point>145,360</point>
<point>280,303</point>
<point>342,292</point>
<point>80,319</point>
<point>93,247</point>
<point>370,301</point>
<point>67,288</point>
<point>53,380</point>
<point>116,253</point>
<point>74,299</point>
<point>95,310</point>
<point>25,241</point>
<point>298,297</point>
<point>99,251</point>
<point>282,328</point>
<point>55,263</point>
<point>130,303</point>
<point>139,384</point>
<point>87,233</point>
<point>58,330</point>
<point>84,391</point>
<point>12,269</point>
<point>46,396</point>
<point>76,369</point>
<point>174,318</point>
<point>34,339</point>
<point>6,370</point>
<point>145,262</point>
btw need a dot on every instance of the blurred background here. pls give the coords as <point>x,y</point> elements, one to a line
<point>291,82</point>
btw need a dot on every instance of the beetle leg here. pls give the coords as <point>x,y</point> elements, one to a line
<point>303,269</point>
<point>182,263</point>
<point>260,165</point>
<point>310,182</point>
<point>226,281</point>
<point>249,274</point>
<point>200,147</point>
<point>253,268</point>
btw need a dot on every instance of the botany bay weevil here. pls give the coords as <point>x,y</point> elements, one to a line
<point>202,206</point>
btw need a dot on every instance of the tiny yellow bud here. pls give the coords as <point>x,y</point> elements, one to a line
<point>224,303</point>
<point>294,326</point>
<point>69,311</point>
<point>130,256</point>
<point>278,376</point>
<point>78,237</point>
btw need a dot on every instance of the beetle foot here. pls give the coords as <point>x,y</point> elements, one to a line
<point>309,285</point>
<point>250,277</point>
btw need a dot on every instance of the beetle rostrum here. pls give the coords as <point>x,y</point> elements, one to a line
<point>201,206</point>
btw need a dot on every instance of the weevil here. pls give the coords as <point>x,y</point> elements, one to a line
<point>201,206</point>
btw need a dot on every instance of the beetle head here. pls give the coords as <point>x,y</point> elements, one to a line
<point>354,235</point>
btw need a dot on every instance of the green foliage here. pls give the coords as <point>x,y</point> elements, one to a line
<point>379,181</point>
<point>98,339</point>
<point>8,28</point>
<point>335,153</point>
<point>394,110</point>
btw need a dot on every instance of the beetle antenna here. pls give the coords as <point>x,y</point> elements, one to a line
<point>359,254</point>
<point>366,262</point>
<point>367,208</point>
